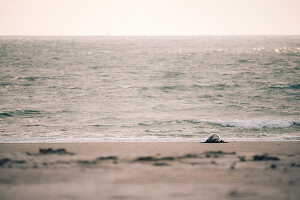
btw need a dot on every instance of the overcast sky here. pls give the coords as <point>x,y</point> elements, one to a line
<point>150,17</point>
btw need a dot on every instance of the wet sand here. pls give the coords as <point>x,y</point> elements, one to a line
<point>235,170</point>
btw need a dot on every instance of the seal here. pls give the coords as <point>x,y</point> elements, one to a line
<point>214,138</point>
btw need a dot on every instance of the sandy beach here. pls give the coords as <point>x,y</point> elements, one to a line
<point>235,170</point>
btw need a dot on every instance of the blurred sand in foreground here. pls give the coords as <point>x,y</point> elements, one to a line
<point>236,170</point>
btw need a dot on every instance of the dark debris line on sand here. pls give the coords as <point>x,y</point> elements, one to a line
<point>206,154</point>
<point>150,158</point>
<point>219,152</point>
<point>189,156</point>
<point>295,165</point>
<point>108,158</point>
<point>156,161</point>
<point>114,159</point>
<point>264,157</point>
<point>49,151</point>
<point>172,158</point>
<point>10,161</point>
<point>55,151</point>
<point>163,161</point>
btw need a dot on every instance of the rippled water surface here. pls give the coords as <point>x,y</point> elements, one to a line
<point>55,89</point>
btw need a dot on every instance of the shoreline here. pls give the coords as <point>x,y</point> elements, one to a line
<point>95,140</point>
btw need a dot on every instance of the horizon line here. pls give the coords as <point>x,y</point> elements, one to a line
<point>212,35</point>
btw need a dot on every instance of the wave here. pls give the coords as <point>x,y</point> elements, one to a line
<point>220,86</point>
<point>5,84</point>
<point>291,86</point>
<point>170,88</point>
<point>23,113</point>
<point>248,124</point>
<point>251,124</point>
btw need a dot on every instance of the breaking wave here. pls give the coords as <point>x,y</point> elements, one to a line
<point>249,124</point>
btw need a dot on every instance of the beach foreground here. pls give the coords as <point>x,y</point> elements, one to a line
<point>235,170</point>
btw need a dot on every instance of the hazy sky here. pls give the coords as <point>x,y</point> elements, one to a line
<point>149,17</point>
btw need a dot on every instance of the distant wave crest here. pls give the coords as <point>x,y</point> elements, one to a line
<point>23,113</point>
<point>260,123</point>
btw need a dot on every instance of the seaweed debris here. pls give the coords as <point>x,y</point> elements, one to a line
<point>50,151</point>
<point>264,157</point>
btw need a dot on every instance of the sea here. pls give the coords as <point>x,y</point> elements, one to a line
<point>149,89</point>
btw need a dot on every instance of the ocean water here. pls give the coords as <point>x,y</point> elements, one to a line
<point>73,89</point>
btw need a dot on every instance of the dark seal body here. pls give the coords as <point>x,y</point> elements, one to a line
<point>214,138</point>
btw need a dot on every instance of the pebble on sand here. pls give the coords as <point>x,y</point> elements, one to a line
<point>214,138</point>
